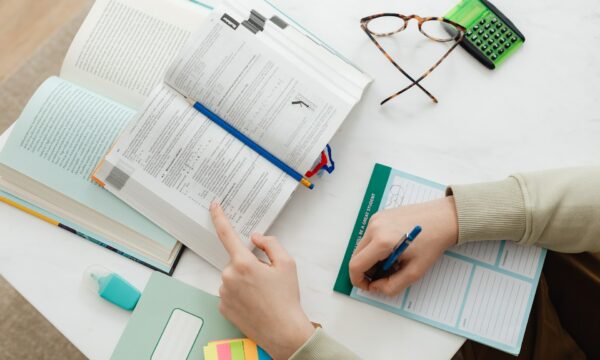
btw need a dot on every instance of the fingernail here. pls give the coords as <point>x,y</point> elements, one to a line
<point>213,205</point>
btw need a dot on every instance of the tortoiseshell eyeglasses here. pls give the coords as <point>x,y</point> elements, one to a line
<point>436,28</point>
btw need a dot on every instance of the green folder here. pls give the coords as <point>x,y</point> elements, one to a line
<point>173,320</point>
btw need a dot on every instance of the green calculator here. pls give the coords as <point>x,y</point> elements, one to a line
<point>490,36</point>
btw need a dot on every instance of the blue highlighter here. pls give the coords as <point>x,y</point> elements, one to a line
<point>111,287</point>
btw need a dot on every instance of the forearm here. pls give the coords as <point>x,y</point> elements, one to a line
<point>555,209</point>
<point>322,347</point>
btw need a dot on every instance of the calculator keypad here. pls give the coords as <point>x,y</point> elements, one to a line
<point>491,36</point>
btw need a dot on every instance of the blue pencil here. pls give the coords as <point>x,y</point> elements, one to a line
<point>251,144</point>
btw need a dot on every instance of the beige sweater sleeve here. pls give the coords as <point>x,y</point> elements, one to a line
<point>322,347</point>
<point>555,209</point>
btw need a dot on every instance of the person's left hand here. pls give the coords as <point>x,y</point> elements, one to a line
<point>262,300</point>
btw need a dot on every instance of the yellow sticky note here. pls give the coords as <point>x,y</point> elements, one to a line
<point>210,352</point>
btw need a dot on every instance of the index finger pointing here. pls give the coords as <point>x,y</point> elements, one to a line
<point>225,232</point>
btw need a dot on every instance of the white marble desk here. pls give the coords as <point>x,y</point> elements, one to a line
<point>540,109</point>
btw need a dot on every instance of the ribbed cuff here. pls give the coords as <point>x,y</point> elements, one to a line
<point>320,346</point>
<point>489,211</point>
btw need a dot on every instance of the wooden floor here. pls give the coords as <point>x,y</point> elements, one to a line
<point>26,24</point>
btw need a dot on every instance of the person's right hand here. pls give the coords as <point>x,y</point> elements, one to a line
<point>262,300</point>
<point>440,231</point>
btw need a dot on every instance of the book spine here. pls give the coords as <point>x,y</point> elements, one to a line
<point>106,246</point>
<point>87,237</point>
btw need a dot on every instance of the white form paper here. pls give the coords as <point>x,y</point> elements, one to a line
<point>480,290</point>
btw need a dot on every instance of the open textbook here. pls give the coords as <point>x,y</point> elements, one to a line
<point>480,290</point>
<point>119,55</point>
<point>261,75</point>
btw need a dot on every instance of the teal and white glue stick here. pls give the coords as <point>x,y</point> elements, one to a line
<point>111,287</point>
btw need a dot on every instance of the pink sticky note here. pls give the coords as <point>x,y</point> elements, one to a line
<point>224,351</point>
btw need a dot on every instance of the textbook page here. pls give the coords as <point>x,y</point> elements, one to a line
<point>305,50</point>
<point>57,141</point>
<point>171,162</point>
<point>124,47</point>
<point>171,157</point>
<point>230,70</point>
<point>479,290</point>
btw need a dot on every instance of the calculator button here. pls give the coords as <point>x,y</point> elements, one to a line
<point>481,31</point>
<point>482,21</point>
<point>513,39</point>
<point>500,51</point>
<point>503,30</point>
<point>494,20</point>
<point>474,37</point>
<point>494,56</point>
<point>495,46</point>
<point>502,40</point>
<point>490,41</point>
<point>487,26</point>
<point>507,45</point>
<point>509,34</point>
<point>492,30</point>
<point>484,47</point>
<point>478,42</point>
<point>497,35</point>
<point>488,53</point>
<point>469,33</point>
<point>476,27</point>
<point>486,36</point>
<point>499,25</point>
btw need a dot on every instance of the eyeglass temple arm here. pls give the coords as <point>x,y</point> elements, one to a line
<point>397,67</point>
<point>425,74</point>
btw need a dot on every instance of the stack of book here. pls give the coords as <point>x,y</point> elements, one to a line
<point>117,117</point>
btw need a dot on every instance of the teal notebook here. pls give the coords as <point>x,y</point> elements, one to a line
<point>173,320</point>
<point>481,290</point>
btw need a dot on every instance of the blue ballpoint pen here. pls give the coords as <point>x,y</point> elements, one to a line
<point>248,142</point>
<point>381,269</point>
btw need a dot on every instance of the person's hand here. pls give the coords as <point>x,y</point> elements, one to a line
<point>440,231</point>
<point>262,300</point>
